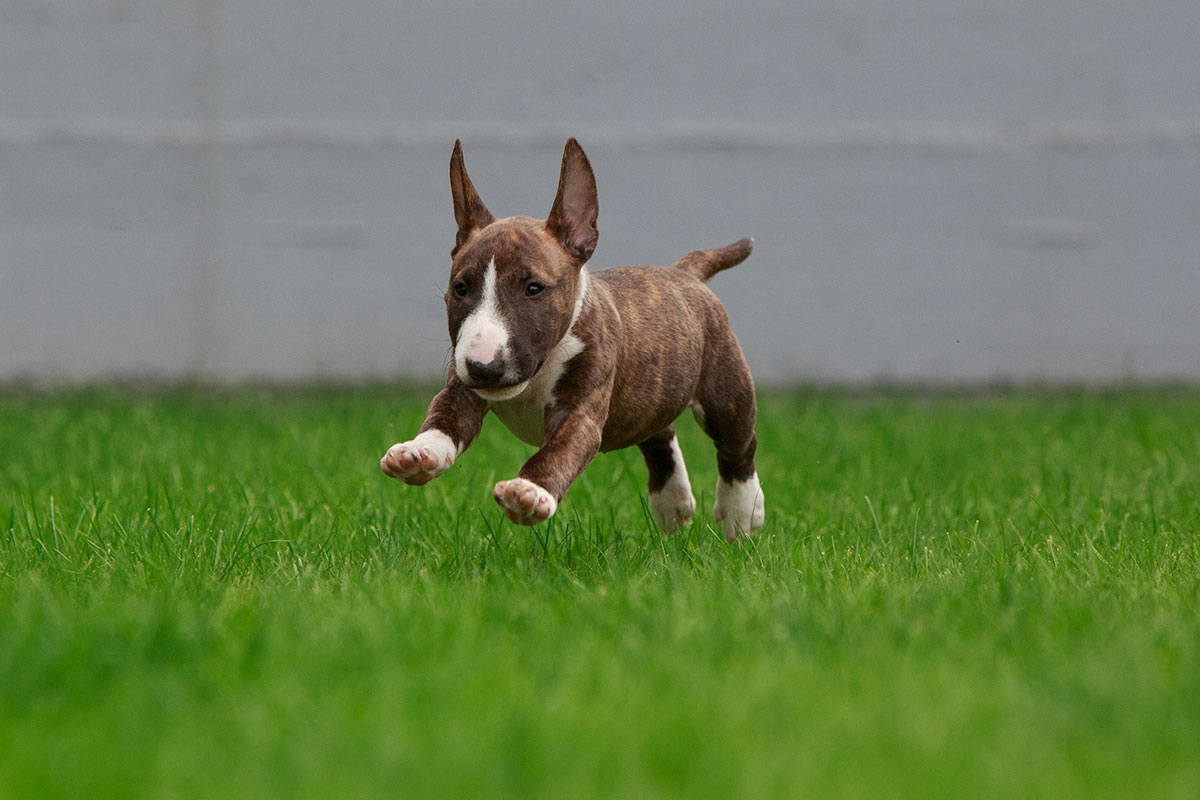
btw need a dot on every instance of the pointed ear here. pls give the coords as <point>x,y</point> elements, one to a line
<point>469,211</point>
<point>573,216</point>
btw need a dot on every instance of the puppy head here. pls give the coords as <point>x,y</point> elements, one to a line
<point>517,284</point>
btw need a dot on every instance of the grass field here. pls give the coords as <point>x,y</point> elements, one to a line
<point>216,594</point>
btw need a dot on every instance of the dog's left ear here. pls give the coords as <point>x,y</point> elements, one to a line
<point>573,216</point>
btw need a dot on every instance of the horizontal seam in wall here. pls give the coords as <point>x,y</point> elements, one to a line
<point>930,138</point>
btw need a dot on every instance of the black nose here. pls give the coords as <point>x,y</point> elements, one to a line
<point>485,374</point>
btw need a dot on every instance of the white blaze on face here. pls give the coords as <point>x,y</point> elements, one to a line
<point>483,336</point>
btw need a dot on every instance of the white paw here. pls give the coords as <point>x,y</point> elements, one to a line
<point>421,460</point>
<point>524,501</point>
<point>671,515</point>
<point>674,506</point>
<point>739,507</point>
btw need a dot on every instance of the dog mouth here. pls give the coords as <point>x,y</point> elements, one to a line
<point>501,380</point>
<point>500,392</point>
<point>504,389</point>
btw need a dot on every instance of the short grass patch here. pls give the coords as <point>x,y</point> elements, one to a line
<point>215,593</point>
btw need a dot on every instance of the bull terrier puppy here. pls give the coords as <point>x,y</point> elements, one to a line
<point>576,362</point>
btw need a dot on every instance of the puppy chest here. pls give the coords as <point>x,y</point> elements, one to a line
<point>525,418</point>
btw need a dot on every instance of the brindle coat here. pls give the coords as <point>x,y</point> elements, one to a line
<point>587,362</point>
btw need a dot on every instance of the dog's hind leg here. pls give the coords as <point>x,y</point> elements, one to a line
<point>725,409</point>
<point>671,500</point>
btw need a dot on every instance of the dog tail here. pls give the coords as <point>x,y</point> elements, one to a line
<point>703,264</point>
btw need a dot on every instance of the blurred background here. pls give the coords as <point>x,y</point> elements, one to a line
<point>942,191</point>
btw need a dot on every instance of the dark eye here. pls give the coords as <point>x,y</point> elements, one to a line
<point>534,288</point>
<point>460,288</point>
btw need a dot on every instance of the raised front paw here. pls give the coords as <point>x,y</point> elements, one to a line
<point>524,501</point>
<point>421,460</point>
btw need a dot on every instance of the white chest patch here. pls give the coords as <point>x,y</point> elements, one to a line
<point>525,414</point>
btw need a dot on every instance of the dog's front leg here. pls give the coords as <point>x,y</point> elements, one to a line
<point>452,422</point>
<point>572,440</point>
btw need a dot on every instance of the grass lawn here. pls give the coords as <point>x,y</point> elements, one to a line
<point>217,594</point>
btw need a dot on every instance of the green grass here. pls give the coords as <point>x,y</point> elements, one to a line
<point>216,594</point>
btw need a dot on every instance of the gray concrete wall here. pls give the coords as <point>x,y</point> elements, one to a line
<point>945,190</point>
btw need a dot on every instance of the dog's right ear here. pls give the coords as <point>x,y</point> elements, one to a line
<point>573,216</point>
<point>469,211</point>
